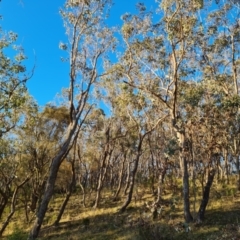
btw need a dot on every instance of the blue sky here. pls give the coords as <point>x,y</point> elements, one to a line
<point>40,29</point>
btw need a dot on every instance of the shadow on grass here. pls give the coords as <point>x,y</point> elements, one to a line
<point>101,226</point>
<point>129,225</point>
<point>217,225</point>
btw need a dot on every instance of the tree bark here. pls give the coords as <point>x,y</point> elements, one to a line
<point>103,169</point>
<point>56,162</point>
<point>185,176</point>
<point>120,179</point>
<point>127,179</point>
<point>69,193</point>
<point>226,164</point>
<point>133,174</point>
<point>205,197</point>
<point>131,184</point>
<point>186,203</point>
<point>160,182</point>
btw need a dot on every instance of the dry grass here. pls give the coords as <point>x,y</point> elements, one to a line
<point>222,219</point>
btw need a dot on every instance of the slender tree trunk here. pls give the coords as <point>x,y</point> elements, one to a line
<point>186,203</point>
<point>46,197</point>
<point>4,200</point>
<point>49,190</point>
<point>103,170</point>
<point>120,179</point>
<point>159,189</point>
<point>128,179</point>
<point>220,171</point>
<point>205,197</point>
<point>133,174</point>
<point>225,152</point>
<point>160,183</point>
<point>84,194</point>
<point>131,184</point>
<point>111,180</point>
<point>184,150</point>
<point>82,186</point>
<point>104,165</point>
<point>152,174</point>
<point>13,205</point>
<point>37,195</point>
<point>3,204</point>
<point>56,162</point>
<point>135,167</point>
<point>69,193</point>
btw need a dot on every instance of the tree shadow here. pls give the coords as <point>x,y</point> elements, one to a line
<point>218,224</point>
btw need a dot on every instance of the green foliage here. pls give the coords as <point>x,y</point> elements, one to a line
<point>18,235</point>
<point>13,91</point>
<point>231,102</point>
<point>193,95</point>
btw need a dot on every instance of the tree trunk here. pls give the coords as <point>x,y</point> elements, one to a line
<point>127,180</point>
<point>135,167</point>
<point>184,150</point>
<point>3,204</point>
<point>205,197</point>
<point>120,179</point>
<point>152,174</point>
<point>46,197</point>
<point>13,205</point>
<point>186,203</point>
<point>131,184</point>
<point>5,197</point>
<point>160,182</point>
<point>104,165</point>
<point>56,162</point>
<point>132,175</point>
<point>226,164</point>
<point>159,189</point>
<point>84,194</point>
<point>69,193</point>
<point>103,170</point>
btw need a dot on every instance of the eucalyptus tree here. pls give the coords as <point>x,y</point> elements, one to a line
<point>13,100</point>
<point>13,78</point>
<point>13,178</point>
<point>223,63</point>
<point>90,40</point>
<point>131,106</point>
<point>71,184</point>
<point>176,58</point>
<point>156,61</point>
<point>39,138</point>
<point>101,136</point>
<point>8,169</point>
<point>14,175</point>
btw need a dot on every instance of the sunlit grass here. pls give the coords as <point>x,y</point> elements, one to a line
<point>222,217</point>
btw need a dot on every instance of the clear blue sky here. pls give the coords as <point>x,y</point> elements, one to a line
<point>40,29</point>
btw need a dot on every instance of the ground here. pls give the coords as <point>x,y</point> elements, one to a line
<point>222,220</point>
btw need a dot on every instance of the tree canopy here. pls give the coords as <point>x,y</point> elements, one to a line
<point>152,102</point>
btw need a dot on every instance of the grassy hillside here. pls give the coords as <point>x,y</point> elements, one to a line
<point>222,218</point>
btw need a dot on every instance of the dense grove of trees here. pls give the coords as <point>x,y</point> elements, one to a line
<point>171,109</point>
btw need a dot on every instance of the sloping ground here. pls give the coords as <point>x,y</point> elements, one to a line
<point>222,220</point>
